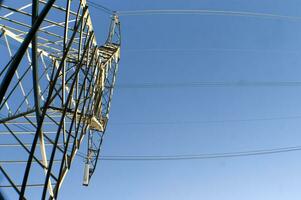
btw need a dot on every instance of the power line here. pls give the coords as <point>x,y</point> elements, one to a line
<point>209,84</point>
<point>206,121</point>
<point>200,156</point>
<point>205,12</point>
<point>151,85</point>
<point>191,12</point>
<point>159,50</point>
<point>218,12</point>
<point>100,7</point>
<point>196,156</point>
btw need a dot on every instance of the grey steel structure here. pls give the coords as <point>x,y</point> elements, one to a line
<point>55,93</point>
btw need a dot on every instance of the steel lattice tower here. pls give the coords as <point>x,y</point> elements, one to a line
<point>56,89</point>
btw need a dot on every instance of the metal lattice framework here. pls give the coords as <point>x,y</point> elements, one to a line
<point>56,88</point>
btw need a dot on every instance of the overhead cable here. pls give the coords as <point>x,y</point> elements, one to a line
<point>191,12</point>
<point>204,121</point>
<point>205,12</point>
<point>176,50</point>
<point>100,7</point>
<point>209,84</point>
<point>197,156</point>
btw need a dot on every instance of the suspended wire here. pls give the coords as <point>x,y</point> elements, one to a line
<point>205,12</point>
<point>192,12</point>
<point>196,156</point>
<point>200,11</point>
<point>205,121</point>
<point>210,84</point>
<point>159,50</point>
<point>100,7</point>
<point>199,84</point>
<point>200,156</point>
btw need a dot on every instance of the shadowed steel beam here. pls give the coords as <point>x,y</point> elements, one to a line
<point>35,72</point>
<point>9,180</point>
<point>21,51</point>
<point>64,67</point>
<point>24,147</point>
<point>39,127</point>
<point>63,171</point>
<point>49,98</point>
<point>65,109</point>
<point>35,64</point>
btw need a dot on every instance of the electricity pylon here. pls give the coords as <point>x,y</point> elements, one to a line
<point>56,90</point>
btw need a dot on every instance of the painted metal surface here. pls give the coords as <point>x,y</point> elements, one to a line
<point>56,89</point>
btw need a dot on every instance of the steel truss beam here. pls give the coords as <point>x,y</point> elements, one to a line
<point>56,87</point>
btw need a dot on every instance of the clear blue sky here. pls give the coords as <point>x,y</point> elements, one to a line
<point>270,51</point>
